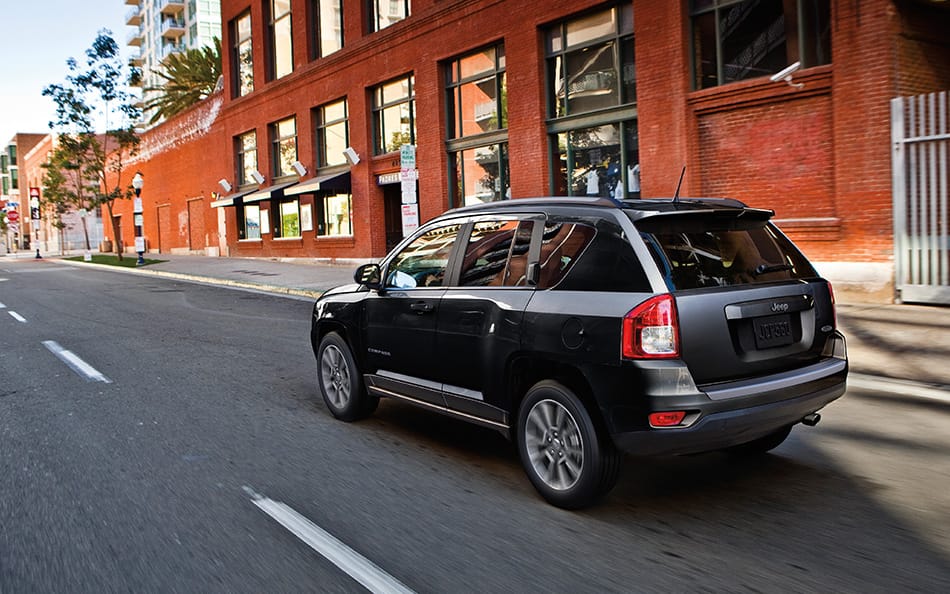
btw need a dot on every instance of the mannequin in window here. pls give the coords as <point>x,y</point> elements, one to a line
<point>593,182</point>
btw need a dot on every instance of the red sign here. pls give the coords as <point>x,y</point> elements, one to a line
<point>13,216</point>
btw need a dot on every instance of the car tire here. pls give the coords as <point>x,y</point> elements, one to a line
<point>566,459</point>
<point>341,382</point>
<point>764,444</point>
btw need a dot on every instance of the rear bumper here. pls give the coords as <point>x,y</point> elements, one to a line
<point>741,412</point>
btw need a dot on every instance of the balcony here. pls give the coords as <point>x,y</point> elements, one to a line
<point>135,38</point>
<point>168,50</point>
<point>133,18</point>
<point>485,111</point>
<point>172,7</point>
<point>173,29</point>
<point>133,2</point>
<point>137,59</point>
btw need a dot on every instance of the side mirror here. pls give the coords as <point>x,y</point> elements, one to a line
<point>369,275</point>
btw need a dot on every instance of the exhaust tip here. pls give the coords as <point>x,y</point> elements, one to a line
<point>811,420</point>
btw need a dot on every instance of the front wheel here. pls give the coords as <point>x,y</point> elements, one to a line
<point>340,381</point>
<point>563,455</point>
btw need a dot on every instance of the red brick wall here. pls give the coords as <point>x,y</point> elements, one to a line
<point>923,49</point>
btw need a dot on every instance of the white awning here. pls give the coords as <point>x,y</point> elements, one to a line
<point>229,199</point>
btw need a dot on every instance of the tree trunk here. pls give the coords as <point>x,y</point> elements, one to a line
<point>116,232</point>
<point>85,232</point>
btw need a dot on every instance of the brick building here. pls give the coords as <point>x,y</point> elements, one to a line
<point>508,99</point>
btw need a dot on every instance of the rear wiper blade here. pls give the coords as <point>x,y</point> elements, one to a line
<point>767,268</point>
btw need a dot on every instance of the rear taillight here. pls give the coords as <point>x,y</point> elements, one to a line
<point>651,330</point>
<point>834,313</point>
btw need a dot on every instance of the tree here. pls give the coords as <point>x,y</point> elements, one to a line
<point>189,77</point>
<point>68,182</point>
<point>94,93</point>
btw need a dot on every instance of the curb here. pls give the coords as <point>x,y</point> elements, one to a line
<point>200,279</point>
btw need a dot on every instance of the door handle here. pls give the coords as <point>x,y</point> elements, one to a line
<point>421,307</point>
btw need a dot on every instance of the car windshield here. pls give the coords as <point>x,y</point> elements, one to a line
<point>695,251</point>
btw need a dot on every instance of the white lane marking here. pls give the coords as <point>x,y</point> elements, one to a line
<point>75,363</point>
<point>16,316</point>
<point>355,565</point>
<point>2,306</point>
<point>903,388</point>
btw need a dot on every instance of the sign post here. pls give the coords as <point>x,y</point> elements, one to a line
<point>35,218</point>
<point>408,175</point>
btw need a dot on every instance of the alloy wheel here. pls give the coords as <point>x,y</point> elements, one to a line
<point>554,445</point>
<point>336,376</point>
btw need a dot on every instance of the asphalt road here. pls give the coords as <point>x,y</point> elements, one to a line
<point>148,425</point>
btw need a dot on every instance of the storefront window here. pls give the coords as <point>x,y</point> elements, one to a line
<point>592,72</point>
<point>394,115</point>
<point>334,215</point>
<point>736,40</point>
<point>252,221</point>
<point>290,219</point>
<point>481,174</point>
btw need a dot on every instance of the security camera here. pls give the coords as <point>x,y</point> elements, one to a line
<point>257,177</point>
<point>351,156</point>
<point>786,73</point>
<point>225,184</point>
<point>299,168</point>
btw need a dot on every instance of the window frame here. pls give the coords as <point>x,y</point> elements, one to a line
<point>374,17</point>
<point>317,21</point>
<point>240,159</point>
<point>805,51</point>
<point>237,68</point>
<point>380,107</point>
<point>276,144</point>
<point>276,51</point>
<point>323,211</point>
<point>321,125</point>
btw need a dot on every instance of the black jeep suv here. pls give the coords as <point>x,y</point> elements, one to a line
<point>584,328</point>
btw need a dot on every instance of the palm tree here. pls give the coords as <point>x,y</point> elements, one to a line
<point>189,77</point>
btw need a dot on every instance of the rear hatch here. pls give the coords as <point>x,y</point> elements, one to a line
<point>748,302</point>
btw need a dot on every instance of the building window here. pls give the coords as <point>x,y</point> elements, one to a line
<point>383,13</point>
<point>242,56</point>
<point>332,133</point>
<point>476,95</point>
<point>282,52</point>
<point>246,153</point>
<point>326,27</point>
<point>334,215</point>
<point>592,72</point>
<point>252,221</point>
<point>394,115</point>
<point>288,222</point>
<point>591,62</point>
<point>14,178</point>
<point>736,40</point>
<point>284,147</point>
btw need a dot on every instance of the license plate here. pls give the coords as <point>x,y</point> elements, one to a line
<point>772,331</point>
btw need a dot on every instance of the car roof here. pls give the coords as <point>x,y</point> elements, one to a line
<point>635,208</point>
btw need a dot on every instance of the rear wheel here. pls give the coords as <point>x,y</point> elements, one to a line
<point>340,381</point>
<point>763,444</point>
<point>567,461</point>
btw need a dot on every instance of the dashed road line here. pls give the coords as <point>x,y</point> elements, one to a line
<point>355,565</point>
<point>899,387</point>
<point>17,316</point>
<point>2,306</point>
<point>75,363</point>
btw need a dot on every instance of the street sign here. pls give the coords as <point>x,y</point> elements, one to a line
<point>13,216</point>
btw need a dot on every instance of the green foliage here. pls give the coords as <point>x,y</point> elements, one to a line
<point>114,261</point>
<point>90,164</point>
<point>189,77</point>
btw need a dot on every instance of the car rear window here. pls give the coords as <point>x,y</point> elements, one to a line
<point>696,250</point>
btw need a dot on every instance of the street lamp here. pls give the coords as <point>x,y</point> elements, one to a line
<point>137,182</point>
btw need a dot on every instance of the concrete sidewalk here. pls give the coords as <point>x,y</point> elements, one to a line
<point>902,342</point>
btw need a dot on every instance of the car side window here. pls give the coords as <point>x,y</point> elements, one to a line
<point>496,254</point>
<point>422,263</point>
<point>561,244</point>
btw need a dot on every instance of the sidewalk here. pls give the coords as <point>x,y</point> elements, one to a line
<point>902,342</point>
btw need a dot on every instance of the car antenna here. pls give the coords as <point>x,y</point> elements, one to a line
<point>676,195</point>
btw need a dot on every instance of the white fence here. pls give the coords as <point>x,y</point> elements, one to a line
<point>920,138</point>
